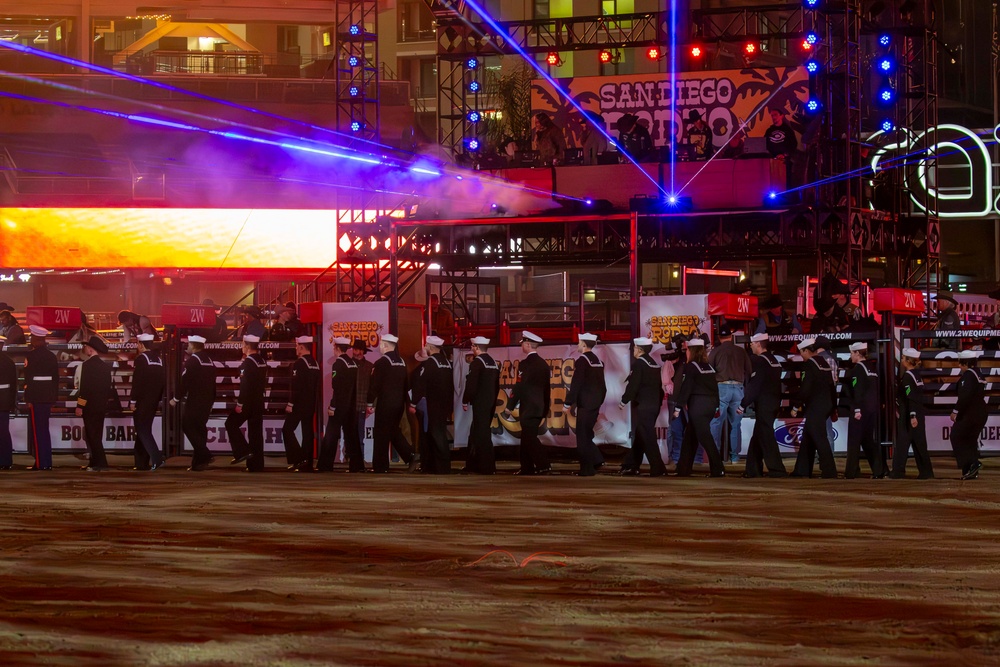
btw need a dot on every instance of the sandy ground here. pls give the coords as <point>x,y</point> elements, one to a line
<point>226,568</point>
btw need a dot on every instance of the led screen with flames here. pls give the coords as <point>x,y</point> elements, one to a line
<point>97,238</point>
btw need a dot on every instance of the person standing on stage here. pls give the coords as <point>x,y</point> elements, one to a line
<point>342,414</point>
<point>948,319</point>
<point>532,392</point>
<point>434,382</point>
<point>699,395</point>
<point>732,370</point>
<point>249,408</point>
<point>763,392</point>
<point>818,399</point>
<point>644,392</point>
<point>482,387</point>
<point>587,391</point>
<point>197,392</point>
<point>8,403</point>
<point>388,397</point>
<point>301,408</point>
<point>41,390</point>
<point>910,427</point>
<point>969,416</point>
<point>92,400</point>
<point>860,397</point>
<point>148,382</point>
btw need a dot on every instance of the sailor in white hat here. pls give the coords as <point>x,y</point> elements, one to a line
<point>970,415</point>
<point>434,395</point>
<point>763,392</point>
<point>249,408</point>
<point>342,413</point>
<point>41,379</point>
<point>388,396</point>
<point>861,396</point>
<point>586,395</point>
<point>911,428</point>
<point>532,393</point>
<point>148,382</point>
<point>644,391</point>
<point>482,385</point>
<point>699,397</point>
<point>197,391</point>
<point>8,401</point>
<point>301,408</point>
<point>817,397</point>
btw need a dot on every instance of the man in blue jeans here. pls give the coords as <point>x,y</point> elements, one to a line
<point>732,369</point>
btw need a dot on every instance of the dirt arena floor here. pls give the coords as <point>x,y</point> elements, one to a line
<point>226,568</point>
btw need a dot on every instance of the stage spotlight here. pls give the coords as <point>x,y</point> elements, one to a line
<point>553,59</point>
<point>812,38</point>
<point>749,48</point>
<point>888,125</point>
<point>884,40</point>
<point>353,91</point>
<point>354,30</point>
<point>355,126</point>
<point>472,145</point>
<point>474,116</point>
<point>474,87</point>
<point>886,64</point>
<point>653,53</point>
<point>810,4</point>
<point>813,105</point>
<point>773,199</point>
<point>886,95</point>
<point>696,51</point>
<point>812,66</point>
<point>604,56</point>
<point>472,63</point>
<point>672,200</point>
<point>354,61</point>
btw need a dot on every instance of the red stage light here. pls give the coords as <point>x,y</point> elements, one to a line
<point>806,46</point>
<point>696,51</point>
<point>750,48</point>
<point>604,56</point>
<point>653,53</point>
<point>552,59</point>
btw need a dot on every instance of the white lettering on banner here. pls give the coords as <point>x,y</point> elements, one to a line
<point>197,315</point>
<point>62,316</point>
<point>743,305</point>
<point>909,300</point>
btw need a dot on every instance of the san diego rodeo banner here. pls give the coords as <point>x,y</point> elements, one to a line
<point>724,98</point>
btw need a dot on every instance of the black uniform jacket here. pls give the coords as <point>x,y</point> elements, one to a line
<point>818,393</point>
<point>482,384</point>
<point>95,385</point>
<point>148,379</point>
<point>699,380</point>
<point>588,389</point>
<point>860,392</point>
<point>344,381</point>
<point>41,376</point>
<point>198,381</point>
<point>435,381</point>
<point>390,382</point>
<point>971,395</point>
<point>910,395</point>
<point>253,384</point>
<point>306,377</point>
<point>533,389</point>
<point>643,387</point>
<point>763,390</point>
<point>8,383</point>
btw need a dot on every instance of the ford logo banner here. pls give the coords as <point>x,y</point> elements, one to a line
<point>789,434</point>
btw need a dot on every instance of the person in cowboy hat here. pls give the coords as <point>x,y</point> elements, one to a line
<point>948,319</point>
<point>41,390</point>
<point>774,320</point>
<point>993,342</point>
<point>250,324</point>
<point>92,400</point>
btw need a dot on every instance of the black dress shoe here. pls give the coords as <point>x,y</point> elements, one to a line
<point>721,473</point>
<point>239,459</point>
<point>155,466</point>
<point>925,476</point>
<point>544,471</point>
<point>198,467</point>
<point>973,471</point>
<point>628,472</point>
<point>136,468</point>
<point>38,468</point>
<point>658,474</point>
<point>95,469</point>
<point>5,467</point>
<point>585,473</point>
<point>524,472</point>
<point>356,470</point>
